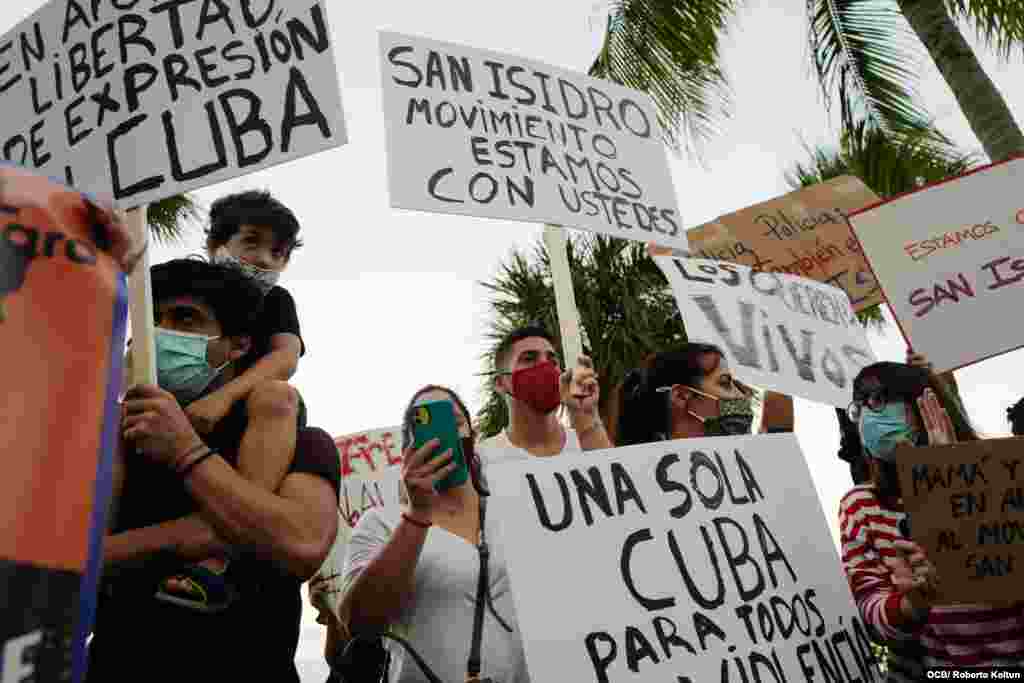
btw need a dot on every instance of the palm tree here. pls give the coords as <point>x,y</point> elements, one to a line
<point>669,49</point>
<point>168,217</point>
<point>627,311</point>
<point>867,53</point>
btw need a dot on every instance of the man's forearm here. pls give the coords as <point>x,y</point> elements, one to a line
<point>247,516</point>
<point>190,537</point>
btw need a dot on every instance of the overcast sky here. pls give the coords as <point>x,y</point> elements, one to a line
<point>389,300</point>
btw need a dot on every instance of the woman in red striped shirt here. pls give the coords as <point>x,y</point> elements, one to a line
<point>893,582</point>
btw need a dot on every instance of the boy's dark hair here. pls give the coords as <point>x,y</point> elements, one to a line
<point>501,354</point>
<point>257,208</point>
<point>236,301</point>
<point>643,411</point>
<point>907,383</point>
<point>1015,415</point>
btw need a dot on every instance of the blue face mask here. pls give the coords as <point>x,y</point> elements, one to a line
<point>882,430</point>
<point>181,365</point>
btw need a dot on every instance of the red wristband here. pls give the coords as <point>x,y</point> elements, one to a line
<point>416,522</point>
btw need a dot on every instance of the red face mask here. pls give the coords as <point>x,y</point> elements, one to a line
<point>538,386</point>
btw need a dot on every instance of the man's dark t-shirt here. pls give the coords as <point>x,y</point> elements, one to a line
<point>279,317</point>
<point>140,638</point>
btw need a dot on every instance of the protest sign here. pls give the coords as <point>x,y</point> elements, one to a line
<point>802,233</point>
<point>369,478</point>
<point>480,133</point>
<point>965,506</point>
<point>147,100</point>
<point>948,257</point>
<point>691,560</point>
<point>792,335</point>
<point>63,313</point>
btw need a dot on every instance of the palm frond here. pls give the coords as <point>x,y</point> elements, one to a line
<point>999,22</point>
<point>669,49</point>
<point>625,306</point>
<point>167,218</point>
<point>865,54</point>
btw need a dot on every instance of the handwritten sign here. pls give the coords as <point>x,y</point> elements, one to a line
<point>966,508</point>
<point>145,100</point>
<point>486,134</point>
<point>366,458</point>
<point>63,316</point>
<point>369,478</point>
<point>802,233</point>
<point>950,259</point>
<point>792,335</point>
<point>702,559</point>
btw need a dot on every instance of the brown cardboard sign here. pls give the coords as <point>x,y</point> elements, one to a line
<point>966,508</point>
<point>803,233</point>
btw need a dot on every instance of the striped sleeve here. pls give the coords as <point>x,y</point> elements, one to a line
<point>867,532</point>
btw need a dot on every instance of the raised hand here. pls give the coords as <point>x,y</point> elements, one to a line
<point>421,470</point>
<point>580,389</point>
<point>936,420</point>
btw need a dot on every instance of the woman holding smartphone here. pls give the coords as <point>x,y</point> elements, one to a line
<point>417,570</point>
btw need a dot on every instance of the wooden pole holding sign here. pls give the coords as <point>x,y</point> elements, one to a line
<point>140,306</point>
<point>565,297</point>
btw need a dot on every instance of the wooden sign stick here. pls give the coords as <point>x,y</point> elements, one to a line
<point>140,306</point>
<point>565,298</point>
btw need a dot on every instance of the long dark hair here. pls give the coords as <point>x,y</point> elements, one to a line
<point>643,411</point>
<point>907,383</point>
<point>472,459</point>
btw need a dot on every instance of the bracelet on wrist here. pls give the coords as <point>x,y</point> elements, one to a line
<point>415,522</point>
<point>181,463</point>
<point>187,470</point>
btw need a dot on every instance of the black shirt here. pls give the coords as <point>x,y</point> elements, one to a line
<point>279,317</point>
<point>140,638</point>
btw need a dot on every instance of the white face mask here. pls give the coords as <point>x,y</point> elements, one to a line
<point>264,279</point>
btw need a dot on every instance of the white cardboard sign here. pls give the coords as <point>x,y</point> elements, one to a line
<point>142,101</point>
<point>692,560</point>
<point>481,133</point>
<point>950,259</point>
<point>786,333</point>
<point>370,475</point>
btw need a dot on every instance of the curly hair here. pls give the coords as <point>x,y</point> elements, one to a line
<point>254,207</point>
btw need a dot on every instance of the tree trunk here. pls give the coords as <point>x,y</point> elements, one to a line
<point>979,99</point>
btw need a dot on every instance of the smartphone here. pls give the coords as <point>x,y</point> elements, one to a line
<point>436,420</point>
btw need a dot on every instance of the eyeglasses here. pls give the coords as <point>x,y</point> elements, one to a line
<point>873,400</point>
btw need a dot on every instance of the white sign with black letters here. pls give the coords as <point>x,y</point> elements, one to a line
<point>142,101</point>
<point>480,133</point>
<point>786,333</point>
<point>692,560</point>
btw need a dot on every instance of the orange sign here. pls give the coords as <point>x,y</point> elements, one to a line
<point>58,292</point>
<point>62,323</point>
<point>803,233</point>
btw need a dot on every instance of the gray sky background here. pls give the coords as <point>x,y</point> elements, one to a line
<point>389,300</point>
